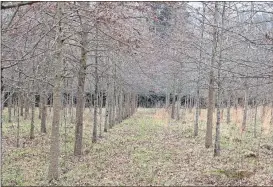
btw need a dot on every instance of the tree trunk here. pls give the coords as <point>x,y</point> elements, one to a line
<point>94,137</point>
<point>9,107</point>
<point>100,111</point>
<point>219,90</point>
<point>54,141</point>
<point>208,141</point>
<point>51,103</point>
<point>228,107</point>
<point>106,119</point>
<point>14,106</point>
<point>18,122</point>
<point>120,105</point>
<point>43,113</point>
<point>80,91</point>
<point>190,104</point>
<point>173,102</point>
<point>197,112</point>
<point>32,102</point>
<point>255,118</point>
<point>32,119</point>
<point>71,106</point>
<point>40,108</point>
<point>167,99</point>
<point>245,108</point>
<point>26,107</point>
<point>80,107</point>
<point>178,108</point>
<point>21,102</point>
<point>271,116</point>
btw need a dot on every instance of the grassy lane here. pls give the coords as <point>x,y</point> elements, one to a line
<point>143,150</point>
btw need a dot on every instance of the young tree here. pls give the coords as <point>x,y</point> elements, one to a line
<point>54,154</point>
<point>208,142</point>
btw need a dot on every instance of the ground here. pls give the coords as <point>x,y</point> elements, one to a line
<point>145,149</point>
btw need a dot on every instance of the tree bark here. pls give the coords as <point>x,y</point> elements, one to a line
<point>32,119</point>
<point>100,110</point>
<point>40,108</point>
<point>94,137</point>
<point>167,99</point>
<point>228,107</point>
<point>43,113</point>
<point>197,112</point>
<point>9,107</point>
<point>173,99</point>
<point>245,107</point>
<point>208,141</point>
<point>219,90</point>
<point>21,101</point>
<point>54,154</point>
<point>106,119</point>
<point>18,122</point>
<point>81,93</point>
<point>26,107</point>
<point>255,118</point>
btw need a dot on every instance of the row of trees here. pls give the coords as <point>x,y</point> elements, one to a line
<point>105,54</point>
<point>61,50</point>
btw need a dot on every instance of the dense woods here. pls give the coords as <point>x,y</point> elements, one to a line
<point>158,85</point>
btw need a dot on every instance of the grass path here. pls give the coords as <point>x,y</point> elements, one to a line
<point>143,150</point>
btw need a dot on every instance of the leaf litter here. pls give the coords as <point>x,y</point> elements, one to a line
<point>143,150</point>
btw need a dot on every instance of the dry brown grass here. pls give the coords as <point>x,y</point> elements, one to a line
<point>266,120</point>
<point>236,116</point>
<point>163,115</point>
<point>143,150</point>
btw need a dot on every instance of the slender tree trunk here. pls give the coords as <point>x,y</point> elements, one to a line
<point>18,122</point>
<point>21,101</point>
<point>32,102</point>
<point>26,107</point>
<point>80,107</point>
<point>208,142</point>
<point>100,111</point>
<point>245,107</point>
<point>219,90</point>
<point>80,91</point>
<point>9,107</point>
<point>255,118</point>
<point>72,105</point>
<point>197,112</point>
<point>40,108</point>
<point>218,120</point>
<point>136,102</point>
<point>106,119</point>
<point>43,113</point>
<point>178,108</point>
<point>228,107</point>
<point>54,154</point>
<point>114,96</point>
<point>190,104</point>
<point>167,99</point>
<point>271,116</point>
<point>110,102</point>
<point>51,103</point>
<point>173,99</point>
<point>94,137</point>
<point>120,105</point>
<point>32,119</point>
<point>117,105</point>
<point>14,106</point>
